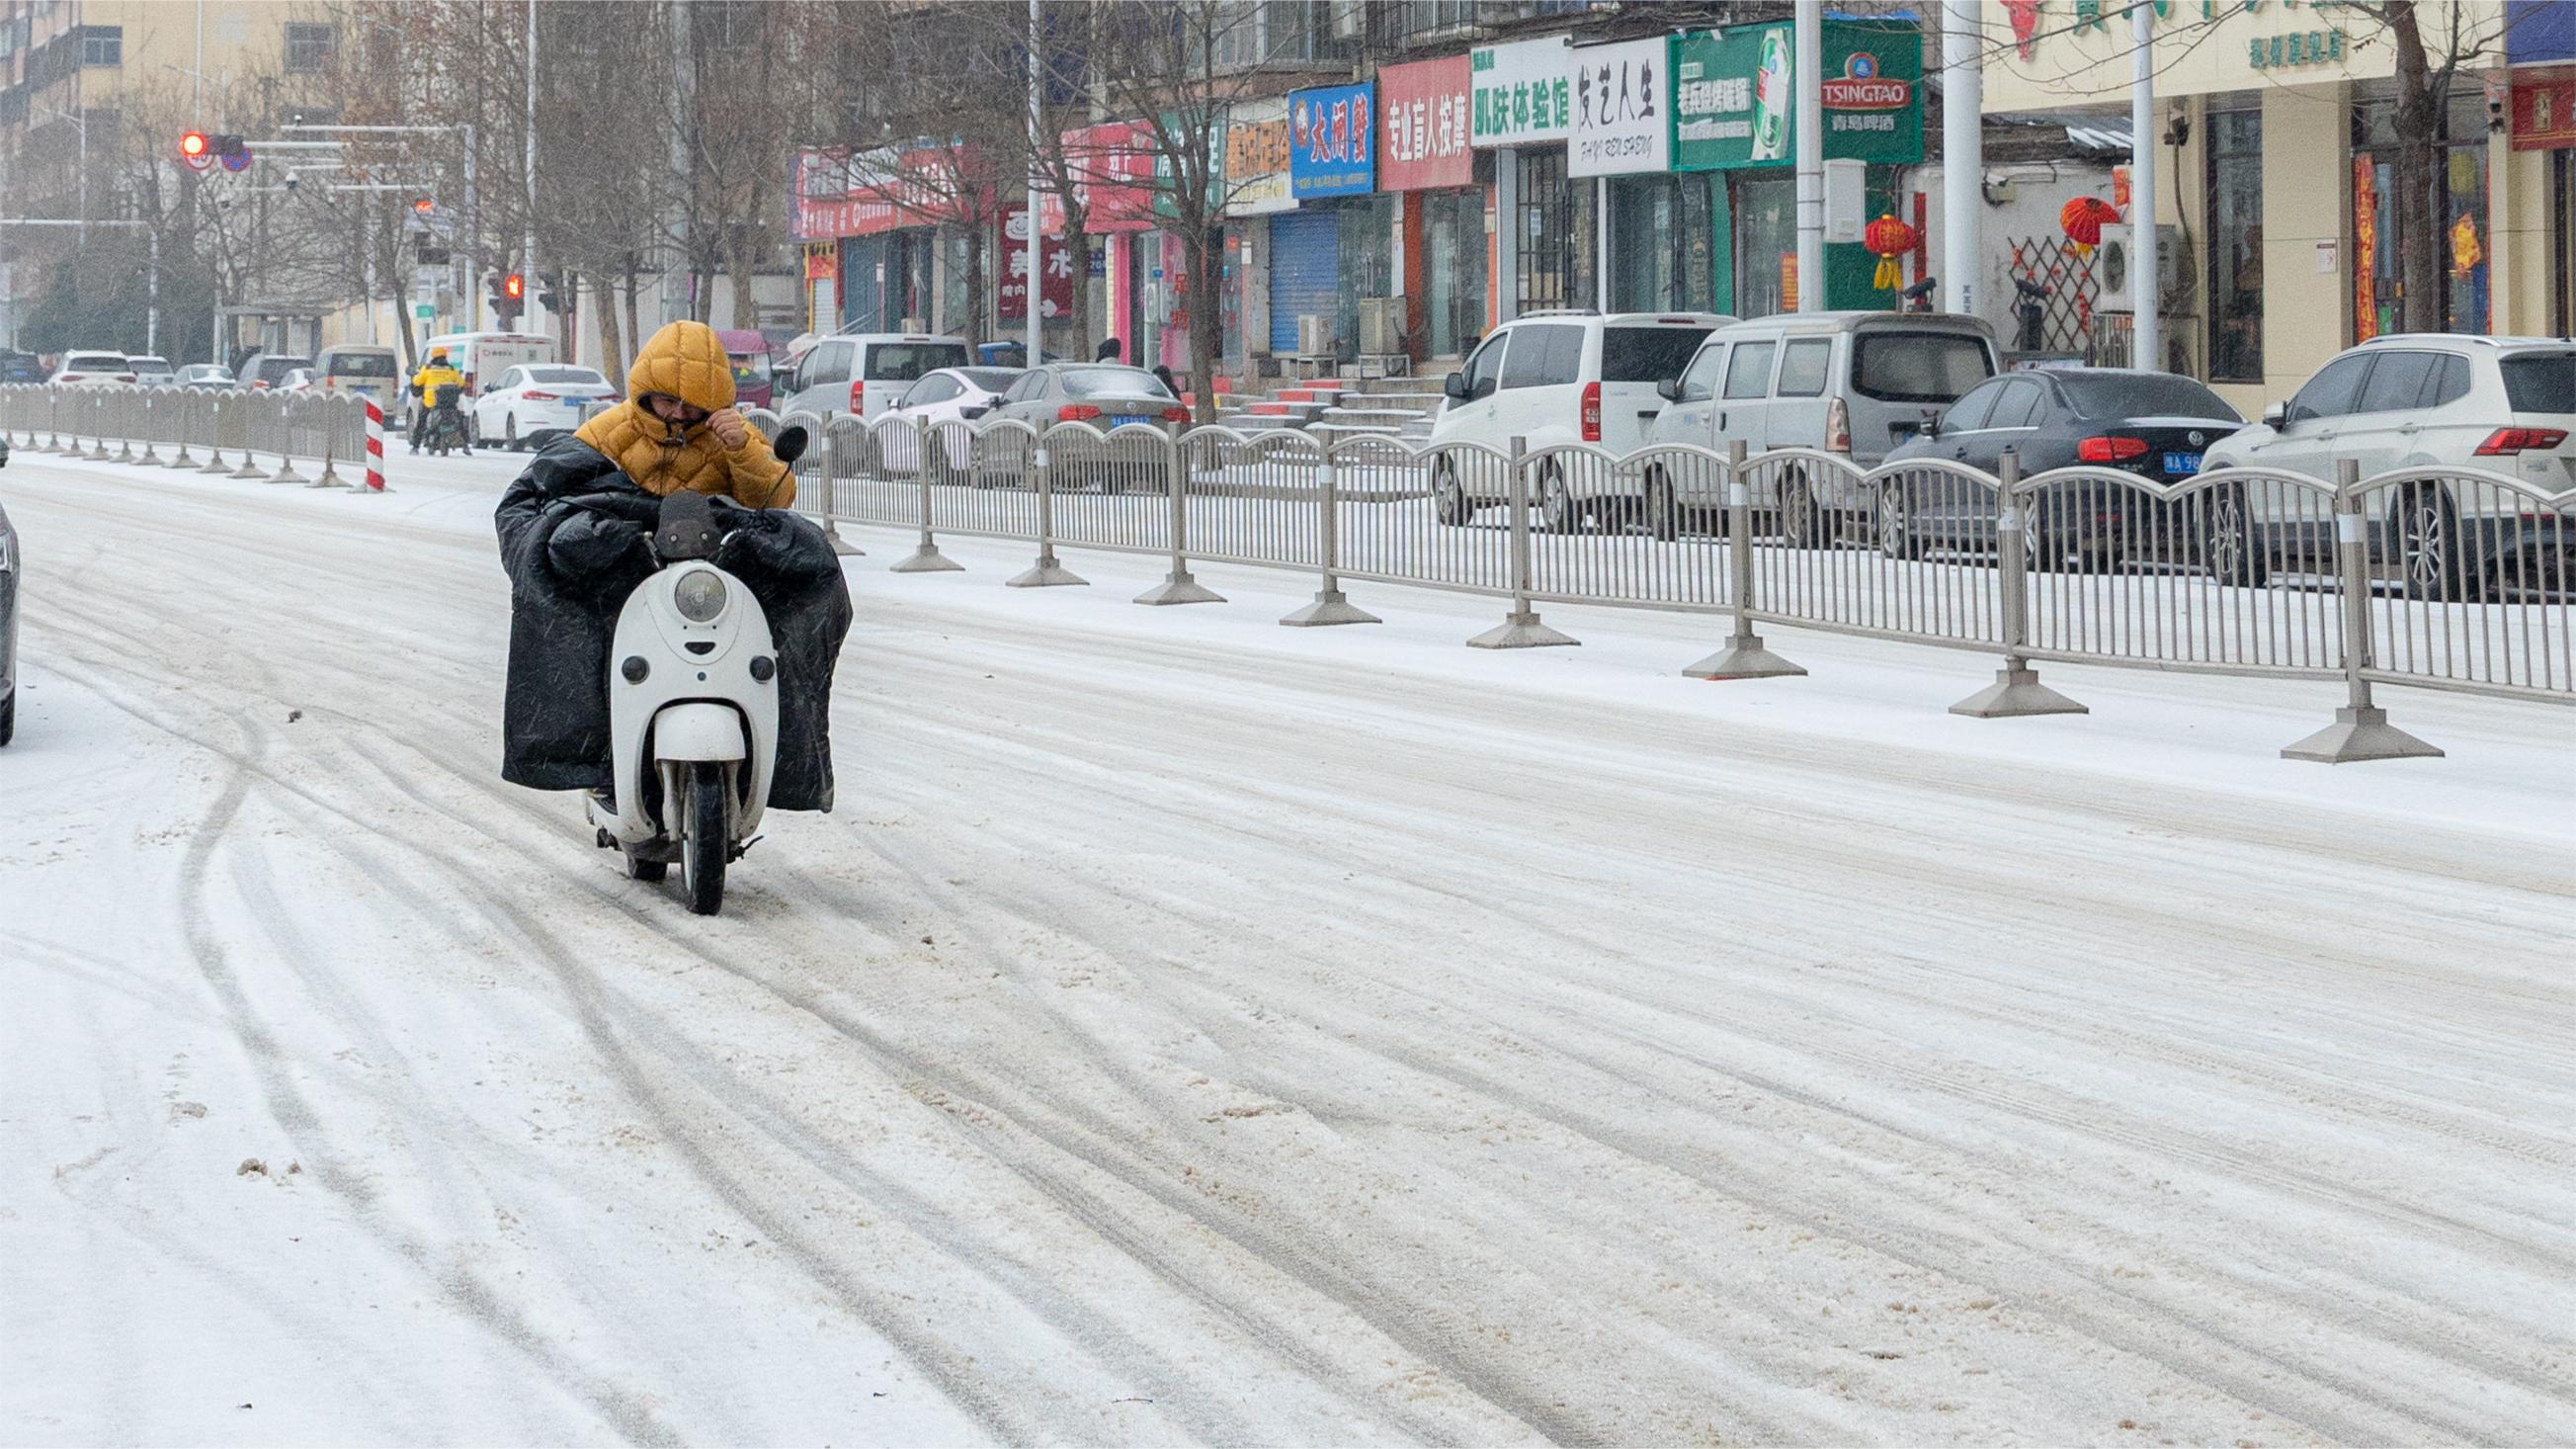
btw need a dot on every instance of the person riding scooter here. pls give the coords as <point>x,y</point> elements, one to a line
<point>433,375</point>
<point>575,530</point>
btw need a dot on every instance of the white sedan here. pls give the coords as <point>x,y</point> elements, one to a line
<point>948,395</point>
<point>526,402</point>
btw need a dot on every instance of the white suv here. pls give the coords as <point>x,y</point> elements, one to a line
<point>2415,400</point>
<point>1551,378</point>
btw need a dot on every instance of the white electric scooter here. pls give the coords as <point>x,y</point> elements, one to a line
<point>692,708</point>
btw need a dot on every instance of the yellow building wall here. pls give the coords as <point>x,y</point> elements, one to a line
<point>2522,226</point>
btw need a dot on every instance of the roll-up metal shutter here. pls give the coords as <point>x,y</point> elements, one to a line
<point>1305,271</point>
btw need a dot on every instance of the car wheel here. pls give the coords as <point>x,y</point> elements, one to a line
<point>510,429</point>
<point>1557,510</point>
<point>2227,544</point>
<point>2431,560</point>
<point>1894,524</point>
<point>1802,523</point>
<point>8,717</point>
<point>1449,501</point>
<point>1663,510</point>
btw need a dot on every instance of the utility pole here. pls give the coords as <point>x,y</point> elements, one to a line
<point>528,241</point>
<point>1963,154</point>
<point>2147,349</point>
<point>1810,126</point>
<point>1036,252</point>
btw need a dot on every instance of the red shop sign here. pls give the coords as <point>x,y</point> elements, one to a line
<point>2544,110</point>
<point>1055,297</point>
<point>1113,167</point>
<point>1423,126</point>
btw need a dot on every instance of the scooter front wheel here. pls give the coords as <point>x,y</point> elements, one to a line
<point>703,841</point>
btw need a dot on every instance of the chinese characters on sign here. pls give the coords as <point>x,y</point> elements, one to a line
<point>1520,93</point>
<point>2299,47</point>
<point>1332,141</point>
<point>1731,96</point>
<point>1256,159</point>
<point>1623,116</point>
<point>1424,125</point>
<point>1055,295</point>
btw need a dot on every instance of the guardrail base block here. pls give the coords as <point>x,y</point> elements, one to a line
<point>1743,658</point>
<point>1330,607</point>
<point>248,469</point>
<point>2360,733</point>
<point>1046,573</point>
<point>1179,588</point>
<point>1521,629</point>
<point>2016,691</point>
<point>840,545</point>
<point>926,559</point>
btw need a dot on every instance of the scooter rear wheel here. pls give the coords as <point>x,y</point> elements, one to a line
<point>703,843</point>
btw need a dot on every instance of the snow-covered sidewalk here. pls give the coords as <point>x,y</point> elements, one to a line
<point>1190,1029</point>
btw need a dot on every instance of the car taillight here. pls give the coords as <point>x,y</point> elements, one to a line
<point>1076,413</point>
<point>258,385</point>
<point>858,397</point>
<point>2505,442</point>
<point>72,377</point>
<point>1176,415</point>
<point>539,397</point>
<point>1592,412</point>
<point>2110,450</point>
<point>1837,426</point>
<point>125,377</point>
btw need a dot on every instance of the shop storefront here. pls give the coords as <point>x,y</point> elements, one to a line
<point>1426,161</point>
<point>1520,107</point>
<point>2540,157</point>
<point>1620,148</point>
<point>1257,190</point>
<point>2281,237</point>
<point>1733,121</point>
<point>1114,168</point>
<point>1337,249</point>
<point>883,214</point>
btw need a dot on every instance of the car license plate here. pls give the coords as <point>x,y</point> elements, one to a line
<point>2182,465</point>
<point>1123,419</point>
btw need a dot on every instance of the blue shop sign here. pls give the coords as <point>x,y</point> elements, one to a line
<point>1332,141</point>
<point>2539,31</point>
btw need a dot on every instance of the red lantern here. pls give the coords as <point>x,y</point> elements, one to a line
<point>1887,239</point>
<point>2082,220</point>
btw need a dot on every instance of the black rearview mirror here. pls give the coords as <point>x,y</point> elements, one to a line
<point>1455,387</point>
<point>789,445</point>
<point>1931,423</point>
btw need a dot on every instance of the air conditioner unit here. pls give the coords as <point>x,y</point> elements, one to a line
<point>1314,335</point>
<point>2111,267</point>
<point>1381,325</point>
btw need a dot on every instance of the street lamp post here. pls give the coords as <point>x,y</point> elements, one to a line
<point>472,294</point>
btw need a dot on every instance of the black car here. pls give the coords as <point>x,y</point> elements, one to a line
<point>2153,424</point>
<point>22,367</point>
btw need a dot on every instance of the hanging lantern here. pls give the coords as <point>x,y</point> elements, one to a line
<point>1887,239</point>
<point>2082,220</point>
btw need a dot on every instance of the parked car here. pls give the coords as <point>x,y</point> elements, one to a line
<point>1852,383</point>
<point>1104,394</point>
<point>1557,377</point>
<point>21,367</point>
<point>298,379</point>
<point>865,372</point>
<point>8,628</point>
<point>94,369</point>
<point>206,374</point>
<point>150,371</point>
<point>524,404</point>
<point>1013,355</point>
<point>361,370</point>
<point>754,383</point>
<point>2155,424</point>
<point>262,371</point>
<point>2502,404</point>
<point>952,394</point>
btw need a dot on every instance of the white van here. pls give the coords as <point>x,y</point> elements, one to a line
<point>1557,377</point>
<point>484,356</point>
<point>863,372</point>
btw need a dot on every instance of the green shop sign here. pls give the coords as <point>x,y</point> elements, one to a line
<point>1734,96</point>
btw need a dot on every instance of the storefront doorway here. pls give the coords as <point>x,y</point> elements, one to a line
<point>1765,210</point>
<point>1453,271</point>
<point>1556,233</point>
<point>2459,210</point>
<point>1661,244</point>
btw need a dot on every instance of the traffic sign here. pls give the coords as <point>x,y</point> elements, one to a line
<point>237,160</point>
<point>424,310</point>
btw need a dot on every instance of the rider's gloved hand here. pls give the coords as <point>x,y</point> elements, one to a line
<point>589,548</point>
<point>730,429</point>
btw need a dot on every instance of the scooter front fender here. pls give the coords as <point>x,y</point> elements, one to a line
<point>698,730</point>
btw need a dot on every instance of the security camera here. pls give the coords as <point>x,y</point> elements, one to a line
<point>291,182</point>
<point>2495,113</point>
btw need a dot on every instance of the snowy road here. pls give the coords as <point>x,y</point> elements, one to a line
<point>1194,1030</point>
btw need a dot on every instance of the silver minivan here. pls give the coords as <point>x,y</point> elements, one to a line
<point>864,372</point>
<point>1853,383</point>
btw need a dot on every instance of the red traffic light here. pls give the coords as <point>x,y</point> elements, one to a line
<point>193,144</point>
<point>514,286</point>
<point>423,204</point>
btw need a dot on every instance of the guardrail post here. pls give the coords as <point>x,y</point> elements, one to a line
<point>1329,607</point>
<point>1046,572</point>
<point>120,411</point>
<point>285,441</point>
<point>54,420</point>
<point>1177,586</point>
<point>1743,657</point>
<point>926,557</point>
<point>247,404</point>
<point>215,463</point>
<point>98,426</point>
<point>330,478</point>
<point>2361,730</point>
<point>1520,629</point>
<point>150,429</point>
<point>2016,690</point>
<point>186,403</point>
<point>834,441</point>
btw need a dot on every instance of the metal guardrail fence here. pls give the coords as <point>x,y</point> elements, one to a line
<point>2450,578</point>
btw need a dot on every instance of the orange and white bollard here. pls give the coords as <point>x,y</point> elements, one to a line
<point>375,448</point>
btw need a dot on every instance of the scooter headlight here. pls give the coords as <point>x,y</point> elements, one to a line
<point>700,595</point>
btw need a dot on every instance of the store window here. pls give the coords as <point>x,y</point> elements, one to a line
<point>1453,240</point>
<point>1556,233</point>
<point>1366,243</point>
<point>2460,211</point>
<point>1766,244</point>
<point>2236,244</point>
<point>1660,244</point>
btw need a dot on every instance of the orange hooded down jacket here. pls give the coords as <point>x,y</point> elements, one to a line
<point>686,361</point>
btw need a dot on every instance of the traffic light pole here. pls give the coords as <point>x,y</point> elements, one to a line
<point>471,297</point>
